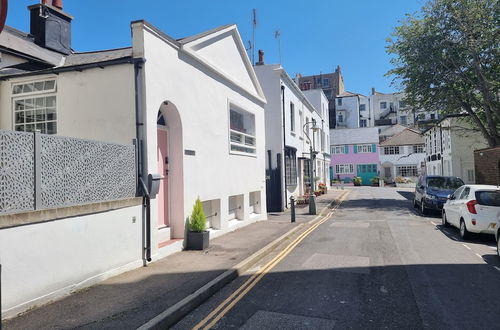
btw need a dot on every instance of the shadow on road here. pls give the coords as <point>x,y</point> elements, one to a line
<point>406,194</point>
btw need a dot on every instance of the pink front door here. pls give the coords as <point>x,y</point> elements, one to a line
<point>162,159</point>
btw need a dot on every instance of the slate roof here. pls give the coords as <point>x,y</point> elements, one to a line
<point>97,57</point>
<point>347,94</point>
<point>354,135</point>
<point>403,138</point>
<point>40,59</point>
<point>18,42</point>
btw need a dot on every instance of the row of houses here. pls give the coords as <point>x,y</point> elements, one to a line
<point>400,153</point>
<point>104,153</point>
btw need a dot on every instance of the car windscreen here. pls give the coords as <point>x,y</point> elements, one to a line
<point>445,183</point>
<point>488,198</point>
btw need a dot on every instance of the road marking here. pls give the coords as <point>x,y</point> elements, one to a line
<point>497,268</point>
<point>435,224</point>
<point>477,254</point>
<point>466,246</point>
<point>237,295</point>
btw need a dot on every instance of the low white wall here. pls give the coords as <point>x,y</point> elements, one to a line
<point>44,261</point>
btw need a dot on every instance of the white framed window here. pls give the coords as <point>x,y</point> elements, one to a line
<point>326,82</point>
<point>363,123</point>
<point>407,170</point>
<point>340,118</point>
<point>402,104</point>
<point>470,175</point>
<point>292,117</point>
<point>383,105</point>
<point>344,168</point>
<point>339,101</point>
<point>403,120</point>
<point>418,149</point>
<point>392,150</point>
<point>34,106</point>
<point>290,166</point>
<point>241,131</point>
<point>301,118</point>
<point>364,148</point>
<point>337,150</point>
<point>362,107</point>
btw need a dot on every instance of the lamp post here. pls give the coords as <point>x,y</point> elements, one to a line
<point>312,197</point>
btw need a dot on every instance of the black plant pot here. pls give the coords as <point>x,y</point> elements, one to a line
<point>197,240</point>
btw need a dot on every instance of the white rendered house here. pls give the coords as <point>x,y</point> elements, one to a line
<point>449,148</point>
<point>402,155</point>
<point>289,136</point>
<point>193,111</point>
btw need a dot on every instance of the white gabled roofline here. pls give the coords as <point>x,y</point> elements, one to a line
<point>185,45</point>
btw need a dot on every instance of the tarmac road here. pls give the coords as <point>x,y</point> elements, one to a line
<point>376,263</point>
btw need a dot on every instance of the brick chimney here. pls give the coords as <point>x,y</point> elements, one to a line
<point>51,26</point>
<point>261,58</point>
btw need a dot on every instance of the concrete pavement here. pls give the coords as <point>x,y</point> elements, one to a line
<point>168,289</point>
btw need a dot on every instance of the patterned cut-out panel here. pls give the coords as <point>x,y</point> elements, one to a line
<point>76,172</point>
<point>16,172</point>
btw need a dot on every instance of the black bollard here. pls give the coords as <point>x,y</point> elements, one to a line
<point>292,206</point>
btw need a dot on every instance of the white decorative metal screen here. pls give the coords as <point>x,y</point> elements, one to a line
<point>16,172</point>
<point>40,171</point>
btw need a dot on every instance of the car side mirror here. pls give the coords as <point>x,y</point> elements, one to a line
<point>450,197</point>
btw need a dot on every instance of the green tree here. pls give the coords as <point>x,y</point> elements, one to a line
<point>446,59</point>
<point>198,221</point>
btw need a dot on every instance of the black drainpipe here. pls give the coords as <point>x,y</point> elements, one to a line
<point>141,186</point>
<point>284,142</point>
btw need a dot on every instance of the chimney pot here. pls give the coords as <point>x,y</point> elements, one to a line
<point>47,2</point>
<point>57,4</point>
<point>261,57</point>
<point>373,90</point>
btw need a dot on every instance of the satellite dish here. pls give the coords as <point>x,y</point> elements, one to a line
<point>3,13</point>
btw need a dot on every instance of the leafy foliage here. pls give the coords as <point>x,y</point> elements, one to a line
<point>357,180</point>
<point>446,59</point>
<point>197,221</point>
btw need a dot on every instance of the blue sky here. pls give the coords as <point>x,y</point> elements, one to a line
<point>316,36</point>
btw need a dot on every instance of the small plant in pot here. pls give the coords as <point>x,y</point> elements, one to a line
<point>357,181</point>
<point>197,235</point>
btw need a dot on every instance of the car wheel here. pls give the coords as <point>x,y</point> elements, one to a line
<point>415,205</point>
<point>423,209</point>
<point>464,233</point>
<point>444,221</point>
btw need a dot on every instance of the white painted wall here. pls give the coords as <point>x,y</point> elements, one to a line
<point>44,261</point>
<point>350,111</point>
<point>96,104</point>
<point>201,94</point>
<point>459,142</point>
<point>406,157</point>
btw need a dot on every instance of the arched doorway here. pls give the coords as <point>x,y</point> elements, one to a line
<point>163,169</point>
<point>170,199</point>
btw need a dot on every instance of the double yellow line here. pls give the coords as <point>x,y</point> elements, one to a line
<point>211,319</point>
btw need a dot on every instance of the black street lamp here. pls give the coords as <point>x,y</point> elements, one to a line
<point>312,197</point>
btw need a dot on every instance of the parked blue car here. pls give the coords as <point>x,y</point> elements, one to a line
<point>432,191</point>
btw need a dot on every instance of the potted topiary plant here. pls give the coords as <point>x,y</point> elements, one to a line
<point>375,181</point>
<point>197,235</point>
<point>357,181</point>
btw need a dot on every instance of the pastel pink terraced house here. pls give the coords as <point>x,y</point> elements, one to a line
<point>354,152</point>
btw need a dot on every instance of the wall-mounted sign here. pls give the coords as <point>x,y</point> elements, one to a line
<point>3,14</point>
<point>189,152</point>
